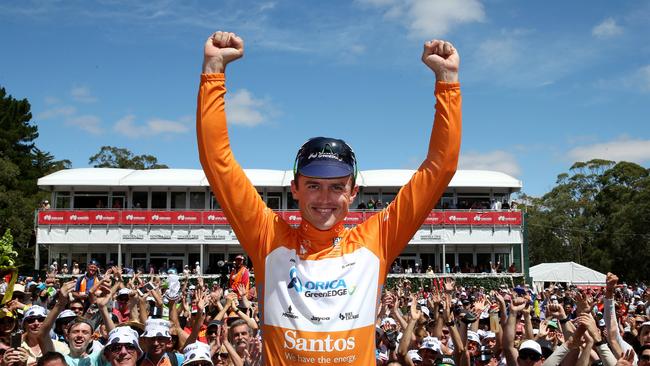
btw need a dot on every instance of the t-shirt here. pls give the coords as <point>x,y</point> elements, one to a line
<point>164,360</point>
<point>319,290</point>
<point>32,357</point>
<point>93,359</point>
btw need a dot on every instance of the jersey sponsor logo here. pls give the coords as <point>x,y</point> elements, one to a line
<point>315,318</point>
<point>327,344</point>
<point>325,288</point>
<point>348,316</point>
<point>289,313</point>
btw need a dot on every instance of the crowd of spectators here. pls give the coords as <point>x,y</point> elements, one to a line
<point>110,318</point>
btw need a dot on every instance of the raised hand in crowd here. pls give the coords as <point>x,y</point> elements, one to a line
<point>15,357</point>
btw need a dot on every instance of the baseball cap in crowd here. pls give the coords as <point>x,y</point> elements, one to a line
<point>530,346</point>
<point>553,324</point>
<point>489,335</point>
<point>19,288</point>
<point>239,256</point>
<point>431,343</point>
<point>473,337</point>
<point>601,323</point>
<point>124,292</point>
<point>196,352</point>
<point>66,314</point>
<point>123,335</point>
<point>156,328</point>
<point>325,157</point>
<point>414,355</point>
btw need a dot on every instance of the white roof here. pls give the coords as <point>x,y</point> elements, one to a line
<point>111,177</point>
<point>570,272</point>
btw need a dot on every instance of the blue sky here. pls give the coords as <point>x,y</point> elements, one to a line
<point>545,84</point>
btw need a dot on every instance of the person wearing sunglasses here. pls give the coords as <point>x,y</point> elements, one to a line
<point>32,323</point>
<point>329,261</point>
<point>122,348</point>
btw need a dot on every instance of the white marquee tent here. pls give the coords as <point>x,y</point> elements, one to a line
<point>570,272</point>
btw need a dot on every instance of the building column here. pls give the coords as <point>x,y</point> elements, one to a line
<point>201,258</point>
<point>444,259</point>
<point>119,255</point>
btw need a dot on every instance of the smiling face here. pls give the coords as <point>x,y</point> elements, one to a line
<point>156,346</point>
<point>323,202</point>
<point>121,354</point>
<point>79,337</point>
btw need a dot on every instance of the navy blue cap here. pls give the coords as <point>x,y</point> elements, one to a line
<point>325,157</point>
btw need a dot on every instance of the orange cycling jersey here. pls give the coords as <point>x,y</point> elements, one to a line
<point>319,290</point>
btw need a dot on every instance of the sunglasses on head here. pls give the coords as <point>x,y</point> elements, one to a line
<point>116,348</point>
<point>33,319</point>
<point>533,356</point>
<point>221,355</point>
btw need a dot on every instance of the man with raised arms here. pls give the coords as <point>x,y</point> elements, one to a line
<point>319,283</point>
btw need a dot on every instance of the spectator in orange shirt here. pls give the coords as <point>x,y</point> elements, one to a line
<point>239,274</point>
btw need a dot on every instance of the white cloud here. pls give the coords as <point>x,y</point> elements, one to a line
<point>246,110</point>
<point>642,77</point>
<point>82,94</point>
<point>622,149</point>
<point>498,53</point>
<point>62,111</point>
<point>155,126</point>
<point>52,100</point>
<point>426,18</point>
<point>606,29</point>
<point>88,123</point>
<point>497,160</point>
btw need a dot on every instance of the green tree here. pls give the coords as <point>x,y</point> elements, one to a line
<point>21,164</point>
<point>597,215</point>
<point>116,157</point>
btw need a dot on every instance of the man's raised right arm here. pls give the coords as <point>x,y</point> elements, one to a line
<point>237,196</point>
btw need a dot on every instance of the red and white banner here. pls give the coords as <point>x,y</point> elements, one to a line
<point>144,217</point>
<point>435,218</point>
<point>214,218</point>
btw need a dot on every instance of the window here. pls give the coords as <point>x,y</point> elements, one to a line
<point>98,200</point>
<point>178,200</point>
<point>197,200</point>
<point>139,200</point>
<point>118,200</point>
<point>274,200</point>
<point>159,200</point>
<point>214,204</point>
<point>62,200</point>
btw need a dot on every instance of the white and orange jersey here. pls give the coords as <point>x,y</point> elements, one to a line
<point>319,290</point>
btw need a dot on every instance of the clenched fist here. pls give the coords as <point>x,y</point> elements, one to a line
<point>220,49</point>
<point>443,59</point>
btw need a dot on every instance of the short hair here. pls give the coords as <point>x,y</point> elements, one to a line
<point>237,323</point>
<point>80,320</point>
<point>50,356</point>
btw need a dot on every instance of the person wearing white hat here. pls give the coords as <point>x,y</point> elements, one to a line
<point>157,339</point>
<point>197,354</point>
<point>414,356</point>
<point>33,320</point>
<point>122,348</point>
<point>429,349</point>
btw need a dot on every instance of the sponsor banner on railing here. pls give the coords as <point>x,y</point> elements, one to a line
<point>160,217</point>
<point>435,218</point>
<point>353,218</point>
<point>291,217</point>
<point>214,218</point>
<point>54,217</point>
<point>507,217</point>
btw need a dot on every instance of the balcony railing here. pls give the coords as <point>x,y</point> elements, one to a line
<point>215,217</point>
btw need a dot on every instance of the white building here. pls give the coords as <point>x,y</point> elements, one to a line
<point>168,217</point>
